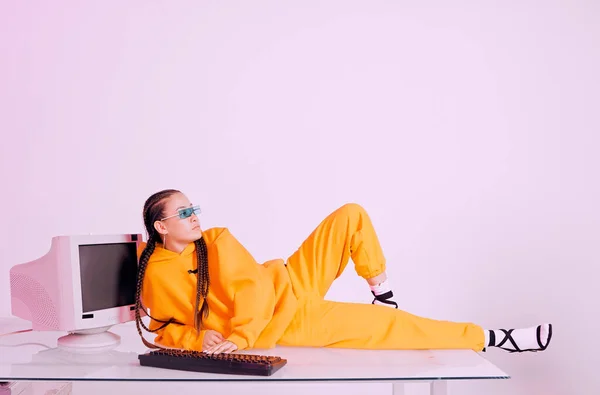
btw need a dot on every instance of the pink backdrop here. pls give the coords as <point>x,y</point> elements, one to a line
<point>470,133</point>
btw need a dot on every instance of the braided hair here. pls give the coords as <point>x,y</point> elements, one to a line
<point>154,211</point>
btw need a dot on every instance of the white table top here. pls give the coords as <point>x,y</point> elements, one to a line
<point>34,356</point>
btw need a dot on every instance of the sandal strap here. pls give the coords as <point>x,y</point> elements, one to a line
<point>383,298</point>
<point>508,337</point>
<point>539,337</point>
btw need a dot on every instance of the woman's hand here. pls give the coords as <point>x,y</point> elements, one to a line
<point>225,346</point>
<point>211,339</point>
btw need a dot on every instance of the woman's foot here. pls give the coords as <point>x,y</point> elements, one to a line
<point>531,339</point>
<point>385,299</point>
<point>383,294</point>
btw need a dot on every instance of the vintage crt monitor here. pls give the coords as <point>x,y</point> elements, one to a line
<point>84,285</point>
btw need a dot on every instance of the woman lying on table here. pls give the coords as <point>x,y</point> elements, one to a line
<point>206,292</point>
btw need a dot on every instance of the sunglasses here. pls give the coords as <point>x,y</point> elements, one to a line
<point>184,213</point>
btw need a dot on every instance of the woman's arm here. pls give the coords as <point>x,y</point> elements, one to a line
<point>166,300</point>
<point>248,295</point>
<point>248,320</point>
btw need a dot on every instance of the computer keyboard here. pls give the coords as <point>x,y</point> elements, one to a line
<point>195,361</point>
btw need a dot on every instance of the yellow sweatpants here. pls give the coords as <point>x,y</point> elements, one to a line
<point>348,233</point>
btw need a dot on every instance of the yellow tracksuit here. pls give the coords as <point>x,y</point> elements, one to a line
<point>259,306</point>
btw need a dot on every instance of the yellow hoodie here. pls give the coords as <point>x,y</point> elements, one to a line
<point>250,304</point>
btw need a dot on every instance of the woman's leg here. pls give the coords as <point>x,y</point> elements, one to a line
<point>345,233</point>
<point>321,323</point>
<point>348,233</point>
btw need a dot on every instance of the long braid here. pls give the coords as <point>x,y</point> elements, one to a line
<point>152,211</point>
<point>145,257</point>
<point>203,283</point>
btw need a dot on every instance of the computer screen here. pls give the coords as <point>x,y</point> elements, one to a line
<point>83,285</point>
<point>108,275</point>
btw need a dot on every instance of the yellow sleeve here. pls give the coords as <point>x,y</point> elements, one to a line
<point>246,291</point>
<point>246,323</point>
<point>165,300</point>
<point>181,336</point>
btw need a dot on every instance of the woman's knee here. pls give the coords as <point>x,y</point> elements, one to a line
<point>352,209</point>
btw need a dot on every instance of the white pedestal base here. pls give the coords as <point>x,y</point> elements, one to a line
<point>89,343</point>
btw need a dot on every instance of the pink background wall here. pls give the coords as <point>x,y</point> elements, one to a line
<point>470,133</point>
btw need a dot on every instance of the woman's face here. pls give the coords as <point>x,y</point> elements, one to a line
<point>180,223</point>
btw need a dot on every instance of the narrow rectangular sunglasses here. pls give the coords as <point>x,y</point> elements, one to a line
<point>184,213</point>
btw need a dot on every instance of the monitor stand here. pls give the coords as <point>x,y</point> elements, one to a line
<point>89,341</point>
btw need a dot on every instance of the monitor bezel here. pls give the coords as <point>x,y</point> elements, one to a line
<point>104,317</point>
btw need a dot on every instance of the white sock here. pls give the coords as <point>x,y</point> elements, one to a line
<point>382,289</point>
<point>526,339</point>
